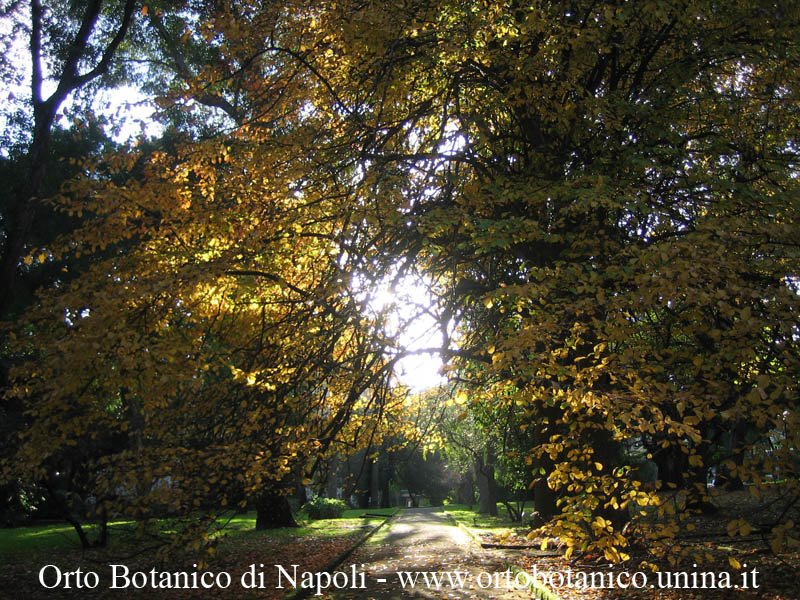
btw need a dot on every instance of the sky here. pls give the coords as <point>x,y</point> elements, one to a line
<point>409,304</point>
<point>131,115</point>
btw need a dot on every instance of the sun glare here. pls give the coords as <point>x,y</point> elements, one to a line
<point>410,310</point>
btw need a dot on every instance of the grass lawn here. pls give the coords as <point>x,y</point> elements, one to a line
<point>478,524</point>
<point>24,551</point>
<point>44,538</point>
<point>19,541</point>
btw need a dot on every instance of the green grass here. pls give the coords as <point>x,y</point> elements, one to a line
<point>39,538</point>
<point>380,536</point>
<point>469,518</point>
<point>244,524</point>
<point>357,512</point>
<point>62,537</point>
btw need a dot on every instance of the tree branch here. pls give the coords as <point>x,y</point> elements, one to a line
<point>113,45</point>
<point>185,73</point>
<point>36,52</point>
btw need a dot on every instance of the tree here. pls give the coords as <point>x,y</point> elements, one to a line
<point>219,334</point>
<point>605,195</point>
<point>239,348</point>
<point>69,48</point>
<point>68,147</point>
<point>488,442</point>
<point>71,51</point>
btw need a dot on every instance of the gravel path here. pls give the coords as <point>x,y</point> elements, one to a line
<point>422,542</point>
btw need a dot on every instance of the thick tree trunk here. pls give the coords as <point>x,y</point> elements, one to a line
<point>487,489</point>
<point>273,511</point>
<point>465,492</point>
<point>544,502</point>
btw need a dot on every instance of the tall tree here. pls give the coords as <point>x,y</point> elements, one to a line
<point>605,194</point>
<point>69,48</point>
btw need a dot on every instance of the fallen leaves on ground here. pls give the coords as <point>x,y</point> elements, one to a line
<point>236,555</point>
<point>777,575</point>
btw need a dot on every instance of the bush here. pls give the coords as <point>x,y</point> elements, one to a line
<point>324,508</point>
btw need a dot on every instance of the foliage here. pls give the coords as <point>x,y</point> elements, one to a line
<point>217,342</point>
<point>602,195</point>
<point>324,508</point>
<point>605,196</point>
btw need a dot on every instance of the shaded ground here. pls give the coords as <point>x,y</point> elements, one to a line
<point>421,554</point>
<point>424,555</point>
<point>704,574</point>
<point>259,551</point>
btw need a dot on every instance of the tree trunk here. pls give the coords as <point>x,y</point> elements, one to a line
<point>671,464</point>
<point>544,499</point>
<point>374,484</point>
<point>608,453</point>
<point>300,496</point>
<point>102,539</point>
<point>23,213</point>
<point>465,492</point>
<point>544,502</point>
<point>386,496</point>
<point>273,511</point>
<point>487,489</point>
<point>734,447</point>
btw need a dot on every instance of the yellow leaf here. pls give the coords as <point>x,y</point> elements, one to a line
<point>745,528</point>
<point>734,563</point>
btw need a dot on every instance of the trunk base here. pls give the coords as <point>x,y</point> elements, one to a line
<point>273,511</point>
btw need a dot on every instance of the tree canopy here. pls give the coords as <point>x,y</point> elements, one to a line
<point>602,195</point>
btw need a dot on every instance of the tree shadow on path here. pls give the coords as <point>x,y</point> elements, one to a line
<point>425,555</point>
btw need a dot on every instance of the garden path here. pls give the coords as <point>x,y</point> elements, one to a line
<point>425,547</point>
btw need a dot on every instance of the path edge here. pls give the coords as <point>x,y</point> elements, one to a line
<point>300,594</point>
<point>539,591</point>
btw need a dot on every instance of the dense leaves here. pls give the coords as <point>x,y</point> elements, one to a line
<point>602,195</point>
<point>605,195</point>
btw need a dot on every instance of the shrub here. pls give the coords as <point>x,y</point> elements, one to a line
<point>324,508</point>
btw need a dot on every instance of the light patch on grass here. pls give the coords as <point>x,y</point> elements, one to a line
<point>38,538</point>
<point>478,523</point>
<point>43,538</point>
